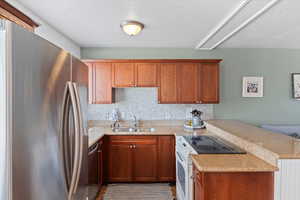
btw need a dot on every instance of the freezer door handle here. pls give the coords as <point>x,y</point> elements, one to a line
<point>64,138</point>
<point>71,151</point>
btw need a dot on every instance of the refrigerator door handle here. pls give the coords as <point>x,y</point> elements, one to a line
<point>81,135</point>
<point>64,137</point>
<point>76,156</point>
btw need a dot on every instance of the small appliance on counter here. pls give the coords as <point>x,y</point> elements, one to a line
<point>196,122</point>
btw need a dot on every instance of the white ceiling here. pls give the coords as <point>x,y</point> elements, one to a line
<point>170,23</point>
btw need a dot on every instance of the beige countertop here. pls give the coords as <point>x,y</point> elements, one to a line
<point>256,140</point>
<point>231,163</point>
<point>96,133</point>
<point>263,147</point>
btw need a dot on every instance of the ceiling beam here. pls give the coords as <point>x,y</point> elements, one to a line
<point>231,15</point>
<point>246,23</point>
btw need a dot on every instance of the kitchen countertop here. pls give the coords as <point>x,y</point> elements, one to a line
<point>265,144</point>
<point>96,133</point>
<point>263,147</point>
<point>231,163</point>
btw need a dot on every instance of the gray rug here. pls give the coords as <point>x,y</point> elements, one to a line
<point>157,191</point>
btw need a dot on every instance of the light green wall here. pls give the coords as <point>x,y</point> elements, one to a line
<point>275,65</point>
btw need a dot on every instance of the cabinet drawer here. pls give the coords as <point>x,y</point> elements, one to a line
<point>151,140</point>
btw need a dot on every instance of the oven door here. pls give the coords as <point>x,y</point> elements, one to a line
<point>181,176</point>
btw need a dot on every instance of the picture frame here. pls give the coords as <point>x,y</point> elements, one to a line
<point>296,85</point>
<point>253,86</point>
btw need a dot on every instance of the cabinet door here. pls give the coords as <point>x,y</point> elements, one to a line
<point>166,158</point>
<point>120,163</point>
<point>168,83</point>
<point>146,75</point>
<point>209,83</point>
<point>123,75</point>
<point>100,163</point>
<point>93,162</point>
<point>187,83</point>
<point>91,82</point>
<point>145,162</point>
<point>102,83</point>
<point>198,185</point>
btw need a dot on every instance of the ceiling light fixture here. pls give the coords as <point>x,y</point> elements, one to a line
<point>132,27</point>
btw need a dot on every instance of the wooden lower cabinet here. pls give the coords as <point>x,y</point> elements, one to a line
<point>95,164</point>
<point>120,163</point>
<point>233,185</point>
<point>144,162</point>
<point>139,159</point>
<point>167,160</point>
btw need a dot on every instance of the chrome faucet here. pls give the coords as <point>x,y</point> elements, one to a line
<point>116,124</point>
<point>115,118</point>
<point>135,121</point>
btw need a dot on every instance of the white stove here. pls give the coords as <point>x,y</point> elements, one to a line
<point>187,145</point>
<point>184,169</point>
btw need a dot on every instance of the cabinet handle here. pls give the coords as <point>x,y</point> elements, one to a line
<point>130,146</point>
<point>94,149</point>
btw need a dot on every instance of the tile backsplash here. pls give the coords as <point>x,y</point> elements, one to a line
<point>142,102</point>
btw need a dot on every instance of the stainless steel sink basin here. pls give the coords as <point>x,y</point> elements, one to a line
<point>130,129</point>
<point>145,129</point>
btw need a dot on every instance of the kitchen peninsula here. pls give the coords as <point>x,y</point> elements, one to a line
<point>267,152</point>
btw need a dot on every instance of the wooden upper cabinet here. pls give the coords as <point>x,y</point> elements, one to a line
<point>146,74</point>
<point>123,75</point>
<point>100,87</point>
<point>178,81</point>
<point>168,83</point>
<point>187,82</point>
<point>209,83</point>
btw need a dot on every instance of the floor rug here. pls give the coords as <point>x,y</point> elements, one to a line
<point>157,191</point>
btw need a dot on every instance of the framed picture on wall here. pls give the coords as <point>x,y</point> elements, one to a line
<point>296,85</point>
<point>253,86</point>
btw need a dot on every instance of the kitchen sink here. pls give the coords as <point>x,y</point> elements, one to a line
<point>130,129</point>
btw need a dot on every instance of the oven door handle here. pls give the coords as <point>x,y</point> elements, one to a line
<point>179,156</point>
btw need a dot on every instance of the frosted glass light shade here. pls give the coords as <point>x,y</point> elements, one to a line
<point>132,27</point>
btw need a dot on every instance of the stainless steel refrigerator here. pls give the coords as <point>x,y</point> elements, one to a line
<point>46,126</point>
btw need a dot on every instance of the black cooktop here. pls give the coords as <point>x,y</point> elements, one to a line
<point>212,145</point>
